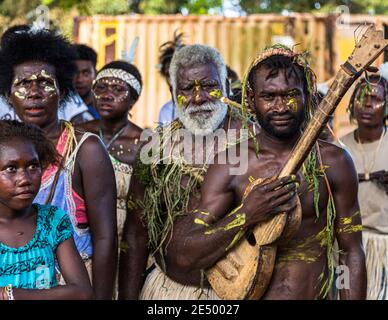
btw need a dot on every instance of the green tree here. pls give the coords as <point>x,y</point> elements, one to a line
<point>12,11</point>
<point>83,6</point>
<point>174,6</point>
<point>277,6</point>
<point>113,7</point>
<point>109,7</point>
<point>203,6</point>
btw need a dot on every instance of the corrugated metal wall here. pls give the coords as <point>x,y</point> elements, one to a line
<point>238,39</point>
<point>344,44</point>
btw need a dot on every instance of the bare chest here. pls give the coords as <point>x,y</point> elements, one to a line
<point>312,192</point>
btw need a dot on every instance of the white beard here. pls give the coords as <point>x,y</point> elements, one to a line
<point>203,124</point>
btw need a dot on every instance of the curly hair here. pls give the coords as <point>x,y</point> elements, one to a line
<point>277,63</point>
<point>279,58</point>
<point>85,52</point>
<point>127,67</point>
<point>167,51</point>
<point>11,130</point>
<point>20,45</point>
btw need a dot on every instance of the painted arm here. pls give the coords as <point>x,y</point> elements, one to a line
<point>217,224</point>
<point>74,272</point>
<point>352,271</point>
<point>99,189</point>
<point>134,255</point>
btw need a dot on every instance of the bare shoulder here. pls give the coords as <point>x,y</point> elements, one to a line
<point>230,164</point>
<point>90,126</point>
<point>339,165</point>
<point>333,154</point>
<point>92,147</point>
<point>133,132</point>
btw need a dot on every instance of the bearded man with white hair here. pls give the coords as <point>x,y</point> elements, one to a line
<point>198,78</point>
<point>167,188</point>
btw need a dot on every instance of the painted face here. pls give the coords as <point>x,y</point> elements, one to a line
<point>278,101</point>
<point>198,84</point>
<point>112,97</point>
<point>35,93</point>
<point>20,174</point>
<point>198,92</point>
<point>369,105</point>
<point>83,81</point>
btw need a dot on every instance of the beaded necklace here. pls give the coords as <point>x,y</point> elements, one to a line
<point>115,136</point>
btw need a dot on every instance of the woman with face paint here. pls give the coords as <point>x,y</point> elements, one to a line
<point>32,235</point>
<point>116,89</point>
<point>37,73</point>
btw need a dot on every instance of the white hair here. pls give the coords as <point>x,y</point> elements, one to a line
<point>196,54</point>
<point>203,124</point>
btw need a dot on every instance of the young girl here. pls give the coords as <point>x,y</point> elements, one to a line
<point>33,236</point>
<point>37,73</point>
<point>116,89</point>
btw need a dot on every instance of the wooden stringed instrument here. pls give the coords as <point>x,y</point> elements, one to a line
<point>245,272</point>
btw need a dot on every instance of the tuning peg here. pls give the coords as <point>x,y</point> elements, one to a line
<point>372,69</point>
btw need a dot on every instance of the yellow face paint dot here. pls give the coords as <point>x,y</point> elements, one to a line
<point>49,89</point>
<point>197,87</point>
<point>216,93</point>
<point>44,74</point>
<point>21,96</point>
<point>292,104</point>
<point>181,101</point>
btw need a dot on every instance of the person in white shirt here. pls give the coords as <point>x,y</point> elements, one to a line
<point>368,146</point>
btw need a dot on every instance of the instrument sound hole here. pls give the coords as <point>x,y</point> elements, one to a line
<point>251,239</point>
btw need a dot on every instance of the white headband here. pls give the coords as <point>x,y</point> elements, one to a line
<point>122,75</point>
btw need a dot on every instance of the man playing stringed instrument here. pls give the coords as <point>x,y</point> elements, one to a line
<point>198,76</point>
<point>281,91</point>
